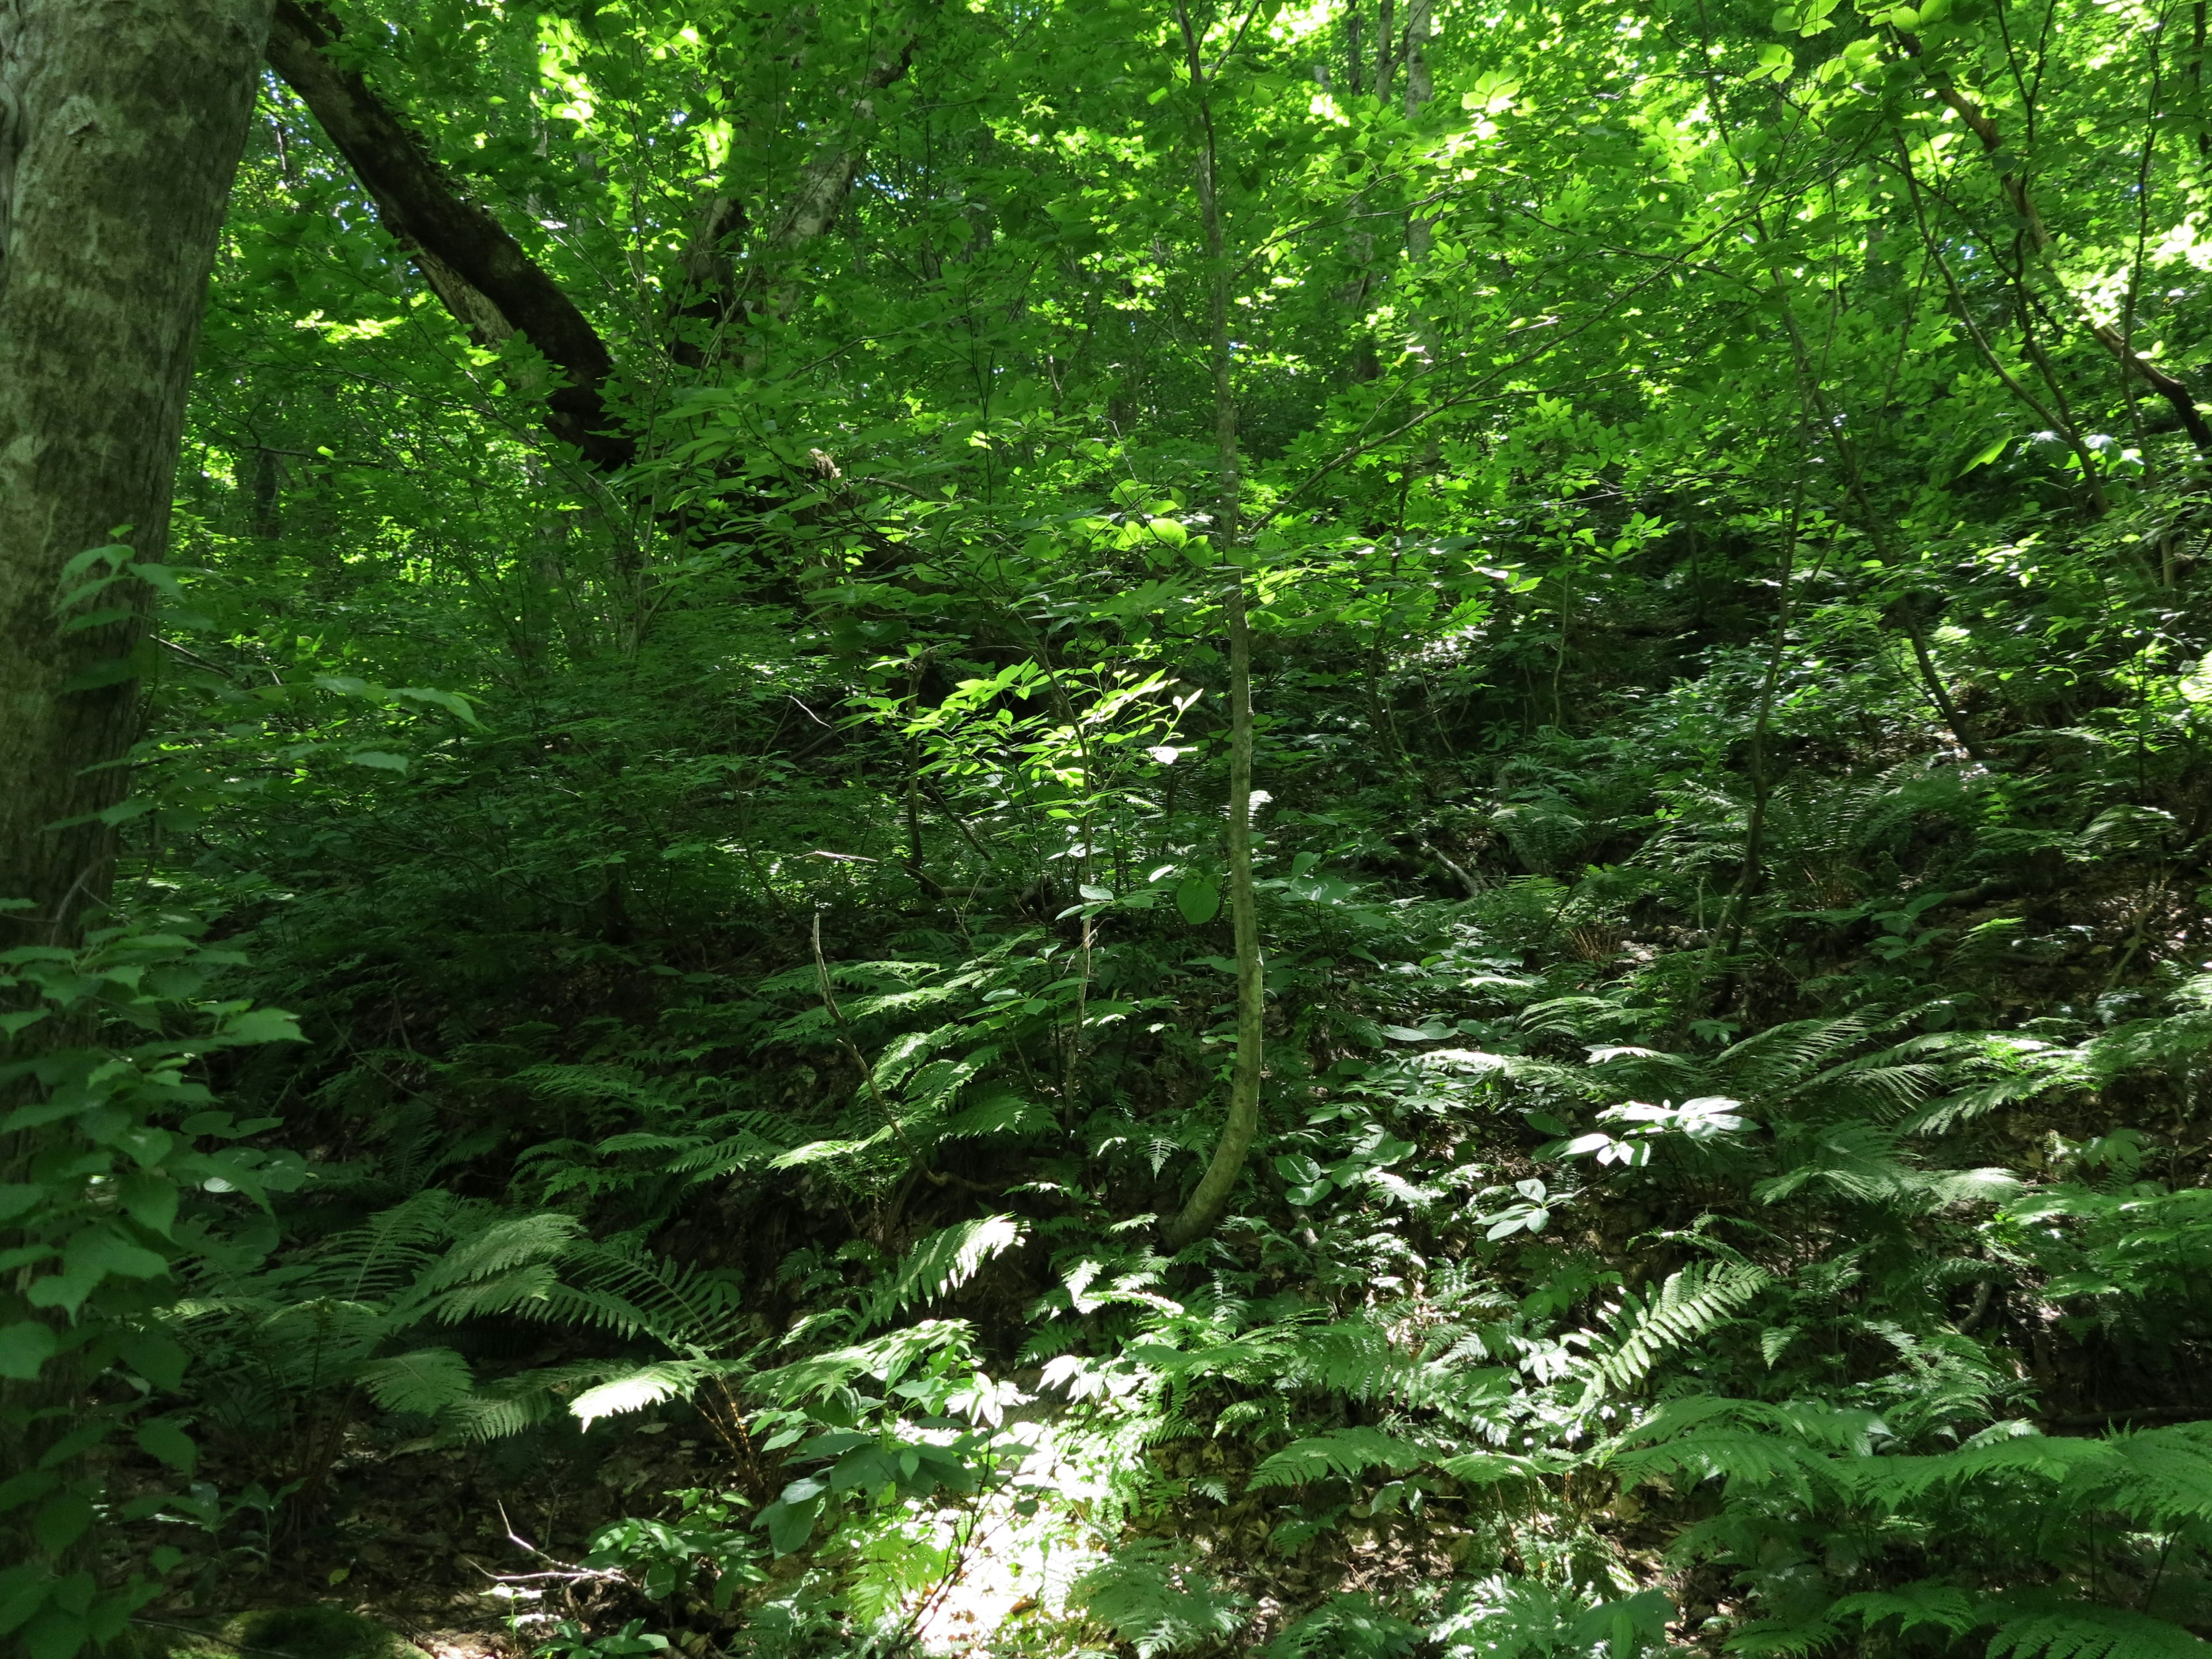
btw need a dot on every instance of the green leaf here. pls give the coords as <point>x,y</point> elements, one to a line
<point>25,1488</point>
<point>1984,457</point>
<point>790,1525</point>
<point>154,1355</point>
<point>262,1026</point>
<point>382,759</point>
<point>25,1347</point>
<point>161,1437</point>
<point>1199,900</point>
<point>18,1199</point>
<point>62,1520</point>
<point>96,1254</point>
<point>150,1199</point>
<point>55,1634</point>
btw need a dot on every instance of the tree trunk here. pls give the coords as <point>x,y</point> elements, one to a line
<point>1209,1201</point>
<point>121,126</point>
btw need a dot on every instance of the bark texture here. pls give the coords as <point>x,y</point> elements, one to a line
<point>121,126</point>
<point>479,272</point>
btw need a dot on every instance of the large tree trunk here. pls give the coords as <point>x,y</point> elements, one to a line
<point>121,125</point>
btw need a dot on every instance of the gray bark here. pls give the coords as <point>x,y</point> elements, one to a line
<point>121,126</point>
<point>1420,88</point>
<point>825,184</point>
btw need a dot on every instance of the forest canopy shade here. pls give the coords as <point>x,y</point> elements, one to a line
<point>1390,814</point>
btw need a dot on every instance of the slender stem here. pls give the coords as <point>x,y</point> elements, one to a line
<point>1209,1199</point>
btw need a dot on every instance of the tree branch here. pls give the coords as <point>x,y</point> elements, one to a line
<point>2014,180</point>
<point>492,287</point>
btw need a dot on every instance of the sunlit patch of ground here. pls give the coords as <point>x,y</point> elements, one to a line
<point>1026,1546</point>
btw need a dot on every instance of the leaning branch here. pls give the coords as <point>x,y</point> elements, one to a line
<point>492,287</point>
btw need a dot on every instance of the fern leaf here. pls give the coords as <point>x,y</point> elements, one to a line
<point>633,1391</point>
<point>1345,1453</point>
<point>1948,1609</point>
<point>1688,1305</point>
<point>887,1358</point>
<point>2085,1631</point>
<point>943,1262</point>
<point>1737,1457</point>
<point>1346,1626</point>
<point>1159,1601</point>
<point>1494,1469</point>
<point>425,1382</point>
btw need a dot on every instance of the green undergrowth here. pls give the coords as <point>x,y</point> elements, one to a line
<point>654,1013</point>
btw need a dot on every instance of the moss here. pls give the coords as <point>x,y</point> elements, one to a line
<point>314,1631</point>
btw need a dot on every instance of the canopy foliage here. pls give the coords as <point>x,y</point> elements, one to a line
<point>719,560</point>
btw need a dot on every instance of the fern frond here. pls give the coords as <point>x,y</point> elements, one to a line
<point>385,1253</point>
<point>598,1084</point>
<point>1689,1304</point>
<point>1950,1610</point>
<point>1502,1618</point>
<point>1784,1059</point>
<point>425,1382</point>
<point>941,1263</point>
<point>1495,1469</point>
<point>888,1358</point>
<point>505,1245</point>
<point>511,1292</point>
<point>1154,1598</point>
<point>2086,1630</point>
<point>996,1113</point>
<point>681,1306</point>
<point>1738,1457</point>
<point>646,1385</point>
<point>1353,1357</point>
<point>1346,1454</point>
<point>1346,1626</point>
<point>2162,1477</point>
<point>1895,1482</point>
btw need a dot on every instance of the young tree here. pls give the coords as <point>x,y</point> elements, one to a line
<point>121,125</point>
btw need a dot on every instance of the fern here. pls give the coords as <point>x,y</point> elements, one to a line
<point>1688,1305</point>
<point>686,1309</point>
<point>2083,1630</point>
<point>1804,1450</point>
<point>1346,1626</point>
<point>1501,1618</point>
<point>887,1358</point>
<point>425,1382</point>
<point>1346,1454</point>
<point>1156,1599</point>
<point>641,1386</point>
<point>1493,1468</point>
<point>1947,1609</point>
<point>941,1263</point>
